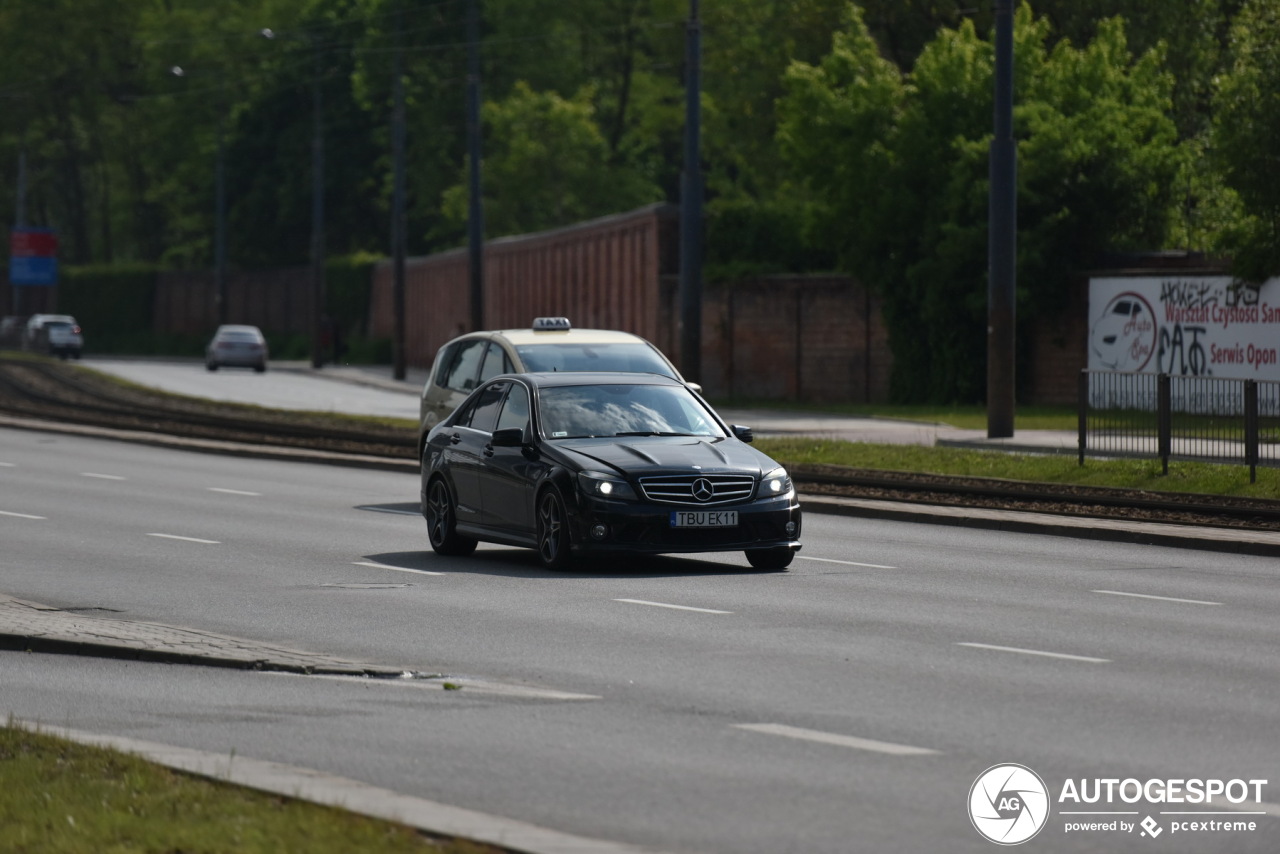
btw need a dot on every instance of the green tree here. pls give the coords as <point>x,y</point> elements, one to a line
<point>1247,139</point>
<point>547,164</point>
<point>899,162</point>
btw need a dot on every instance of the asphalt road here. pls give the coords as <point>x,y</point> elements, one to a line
<point>845,705</point>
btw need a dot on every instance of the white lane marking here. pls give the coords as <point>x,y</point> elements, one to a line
<point>437,683</point>
<point>185,539</point>
<point>394,512</point>
<point>396,568</point>
<point>847,562</point>
<point>232,491</point>
<point>1160,598</point>
<point>8,465</point>
<point>19,515</point>
<point>838,740</point>
<point>102,476</point>
<point>1086,658</point>
<point>1260,807</point>
<point>676,607</point>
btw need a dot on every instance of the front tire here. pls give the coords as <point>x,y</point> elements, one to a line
<point>771,559</point>
<point>442,522</point>
<point>553,530</point>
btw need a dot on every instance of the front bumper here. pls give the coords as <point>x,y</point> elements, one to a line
<point>645,528</point>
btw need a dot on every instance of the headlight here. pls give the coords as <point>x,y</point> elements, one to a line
<point>775,484</point>
<point>601,485</point>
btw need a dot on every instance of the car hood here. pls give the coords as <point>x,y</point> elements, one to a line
<point>652,454</point>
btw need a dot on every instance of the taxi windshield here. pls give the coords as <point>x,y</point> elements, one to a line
<point>634,358</point>
<point>582,411</point>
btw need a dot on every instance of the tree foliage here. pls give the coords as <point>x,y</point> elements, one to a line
<point>1246,135</point>
<point>831,129</point>
<point>899,164</point>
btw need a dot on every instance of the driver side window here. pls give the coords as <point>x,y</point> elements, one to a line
<point>515,412</point>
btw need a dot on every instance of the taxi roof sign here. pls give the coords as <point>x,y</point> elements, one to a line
<point>551,324</point>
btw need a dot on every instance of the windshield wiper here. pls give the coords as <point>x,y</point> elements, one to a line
<point>653,433</point>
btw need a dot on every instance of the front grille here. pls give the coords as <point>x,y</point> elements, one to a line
<point>689,489</point>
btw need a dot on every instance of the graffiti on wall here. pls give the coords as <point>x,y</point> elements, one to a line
<point>1190,326</point>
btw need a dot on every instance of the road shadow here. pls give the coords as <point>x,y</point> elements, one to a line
<point>523,563</point>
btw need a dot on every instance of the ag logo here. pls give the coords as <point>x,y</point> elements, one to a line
<point>1008,804</point>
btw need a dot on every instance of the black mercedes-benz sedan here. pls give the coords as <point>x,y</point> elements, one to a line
<point>578,464</point>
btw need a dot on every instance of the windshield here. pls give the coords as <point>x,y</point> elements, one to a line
<point>572,412</point>
<point>632,358</point>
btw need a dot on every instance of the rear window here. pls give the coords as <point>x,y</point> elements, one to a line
<point>238,336</point>
<point>638,358</point>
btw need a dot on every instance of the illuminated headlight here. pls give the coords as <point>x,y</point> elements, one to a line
<point>601,485</point>
<point>775,484</point>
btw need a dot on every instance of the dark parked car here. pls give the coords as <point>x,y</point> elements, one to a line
<point>602,463</point>
<point>236,345</point>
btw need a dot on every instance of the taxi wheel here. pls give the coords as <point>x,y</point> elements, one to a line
<point>553,530</point>
<point>442,523</point>
<point>770,558</point>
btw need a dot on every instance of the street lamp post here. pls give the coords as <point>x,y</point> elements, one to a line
<point>219,202</point>
<point>317,203</point>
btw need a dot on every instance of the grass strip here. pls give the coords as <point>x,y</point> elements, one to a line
<point>1183,477</point>
<point>62,797</point>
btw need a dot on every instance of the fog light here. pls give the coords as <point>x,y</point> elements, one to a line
<point>599,532</point>
<point>791,529</point>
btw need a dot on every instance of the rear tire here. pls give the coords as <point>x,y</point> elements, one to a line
<point>553,531</point>
<point>773,559</point>
<point>442,522</point>
<point>213,366</point>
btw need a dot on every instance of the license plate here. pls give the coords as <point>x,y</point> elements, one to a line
<point>704,518</point>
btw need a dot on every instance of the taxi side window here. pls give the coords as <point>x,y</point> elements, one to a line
<point>460,368</point>
<point>495,362</point>
<point>515,412</point>
<point>484,410</point>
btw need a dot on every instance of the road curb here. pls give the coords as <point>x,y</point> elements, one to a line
<point>1230,540</point>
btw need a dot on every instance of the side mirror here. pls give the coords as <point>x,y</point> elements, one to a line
<point>743,433</point>
<point>512,437</point>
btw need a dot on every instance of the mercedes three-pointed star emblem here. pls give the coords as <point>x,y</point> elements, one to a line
<point>702,490</point>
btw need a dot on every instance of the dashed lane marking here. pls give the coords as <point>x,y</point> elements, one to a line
<point>95,474</point>
<point>849,741</point>
<point>185,539</point>
<point>1159,598</point>
<point>20,515</point>
<point>233,491</point>
<point>675,607</point>
<point>395,568</point>
<point>846,562</point>
<point>1085,658</point>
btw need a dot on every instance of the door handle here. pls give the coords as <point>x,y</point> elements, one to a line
<point>455,438</point>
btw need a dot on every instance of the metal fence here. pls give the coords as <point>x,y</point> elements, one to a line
<point>1167,416</point>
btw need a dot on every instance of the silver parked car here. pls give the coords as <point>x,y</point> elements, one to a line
<point>55,334</point>
<point>237,345</point>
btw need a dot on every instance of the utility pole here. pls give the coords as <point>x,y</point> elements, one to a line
<point>690,289</point>
<point>317,211</point>
<point>220,210</point>
<point>1002,246</point>
<point>397,199</point>
<point>475,218</point>
<point>19,220</point>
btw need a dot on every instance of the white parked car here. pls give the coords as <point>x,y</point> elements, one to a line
<point>55,334</point>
